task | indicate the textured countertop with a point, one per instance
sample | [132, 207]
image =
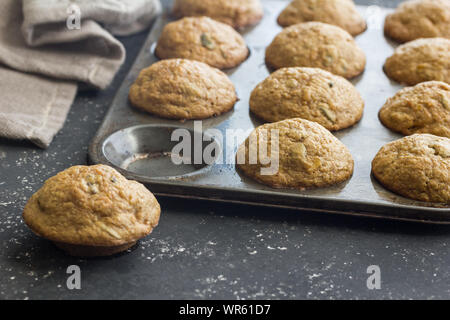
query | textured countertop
[210, 250]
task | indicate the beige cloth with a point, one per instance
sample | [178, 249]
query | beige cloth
[49, 59]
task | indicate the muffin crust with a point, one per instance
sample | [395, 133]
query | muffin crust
[419, 61]
[341, 13]
[424, 108]
[204, 40]
[183, 89]
[93, 207]
[416, 19]
[236, 13]
[308, 93]
[416, 167]
[309, 156]
[316, 45]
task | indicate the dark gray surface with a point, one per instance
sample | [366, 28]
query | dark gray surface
[209, 250]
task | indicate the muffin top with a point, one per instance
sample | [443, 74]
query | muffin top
[424, 108]
[309, 156]
[308, 93]
[92, 206]
[419, 61]
[183, 89]
[341, 13]
[316, 45]
[202, 39]
[419, 19]
[236, 13]
[417, 167]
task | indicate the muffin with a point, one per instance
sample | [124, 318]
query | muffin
[419, 61]
[92, 211]
[308, 93]
[204, 40]
[236, 13]
[416, 167]
[341, 13]
[303, 155]
[424, 108]
[316, 45]
[419, 19]
[183, 89]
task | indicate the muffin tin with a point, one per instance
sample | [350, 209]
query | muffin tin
[140, 147]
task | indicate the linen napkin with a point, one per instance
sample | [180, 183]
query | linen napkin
[42, 60]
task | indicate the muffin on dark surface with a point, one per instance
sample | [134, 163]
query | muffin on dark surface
[92, 211]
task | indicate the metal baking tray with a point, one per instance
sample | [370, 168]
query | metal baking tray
[139, 145]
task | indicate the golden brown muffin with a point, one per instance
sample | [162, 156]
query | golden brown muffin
[202, 39]
[419, 61]
[308, 155]
[92, 211]
[419, 19]
[341, 13]
[183, 89]
[308, 93]
[316, 45]
[417, 167]
[424, 108]
[236, 13]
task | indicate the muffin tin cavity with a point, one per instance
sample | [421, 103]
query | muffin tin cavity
[161, 151]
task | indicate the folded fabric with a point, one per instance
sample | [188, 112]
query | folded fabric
[33, 107]
[45, 20]
[52, 58]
